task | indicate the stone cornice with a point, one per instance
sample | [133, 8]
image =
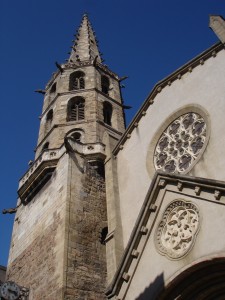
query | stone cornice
[177, 75]
[46, 155]
[35, 182]
[110, 128]
[106, 70]
[78, 65]
[131, 257]
[54, 76]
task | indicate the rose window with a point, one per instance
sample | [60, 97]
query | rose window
[180, 144]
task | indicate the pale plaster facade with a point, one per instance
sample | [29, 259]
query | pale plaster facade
[144, 271]
[201, 90]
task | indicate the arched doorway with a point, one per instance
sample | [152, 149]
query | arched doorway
[202, 281]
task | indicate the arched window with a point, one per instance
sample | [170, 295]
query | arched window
[49, 119]
[49, 116]
[77, 81]
[105, 84]
[107, 113]
[53, 89]
[75, 109]
[46, 146]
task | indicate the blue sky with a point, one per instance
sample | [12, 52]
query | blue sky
[145, 39]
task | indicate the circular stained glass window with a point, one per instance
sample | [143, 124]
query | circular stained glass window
[180, 144]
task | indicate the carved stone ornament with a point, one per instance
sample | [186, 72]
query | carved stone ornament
[9, 290]
[180, 144]
[176, 233]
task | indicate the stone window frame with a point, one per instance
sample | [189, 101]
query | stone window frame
[53, 89]
[45, 146]
[195, 108]
[105, 84]
[76, 109]
[107, 109]
[77, 81]
[49, 119]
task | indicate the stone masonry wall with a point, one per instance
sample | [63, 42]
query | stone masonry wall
[37, 252]
[36, 267]
[86, 269]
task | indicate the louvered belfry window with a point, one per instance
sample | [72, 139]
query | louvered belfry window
[77, 81]
[105, 84]
[76, 109]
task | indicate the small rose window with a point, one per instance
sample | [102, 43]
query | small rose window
[180, 144]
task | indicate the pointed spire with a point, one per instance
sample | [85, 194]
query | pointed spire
[85, 46]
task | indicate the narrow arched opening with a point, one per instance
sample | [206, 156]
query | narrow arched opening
[49, 118]
[77, 81]
[75, 109]
[53, 89]
[46, 146]
[107, 113]
[105, 84]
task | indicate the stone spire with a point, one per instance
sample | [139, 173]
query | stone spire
[85, 46]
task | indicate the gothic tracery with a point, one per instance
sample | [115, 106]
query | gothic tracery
[176, 232]
[180, 143]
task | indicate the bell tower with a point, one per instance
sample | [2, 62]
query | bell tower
[82, 97]
[58, 241]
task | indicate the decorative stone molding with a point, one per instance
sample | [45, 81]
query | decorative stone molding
[180, 186]
[147, 218]
[197, 190]
[135, 253]
[181, 143]
[176, 233]
[152, 207]
[126, 276]
[144, 230]
[46, 155]
[187, 68]
[162, 183]
[217, 195]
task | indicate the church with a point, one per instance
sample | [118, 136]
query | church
[136, 213]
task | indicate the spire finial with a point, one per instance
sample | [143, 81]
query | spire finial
[85, 45]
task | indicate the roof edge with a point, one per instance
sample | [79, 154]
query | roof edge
[176, 75]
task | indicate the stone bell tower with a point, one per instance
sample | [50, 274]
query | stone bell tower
[58, 241]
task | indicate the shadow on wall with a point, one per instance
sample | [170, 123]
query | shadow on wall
[202, 280]
[153, 289]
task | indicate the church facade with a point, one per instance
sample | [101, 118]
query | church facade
[106, 212]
